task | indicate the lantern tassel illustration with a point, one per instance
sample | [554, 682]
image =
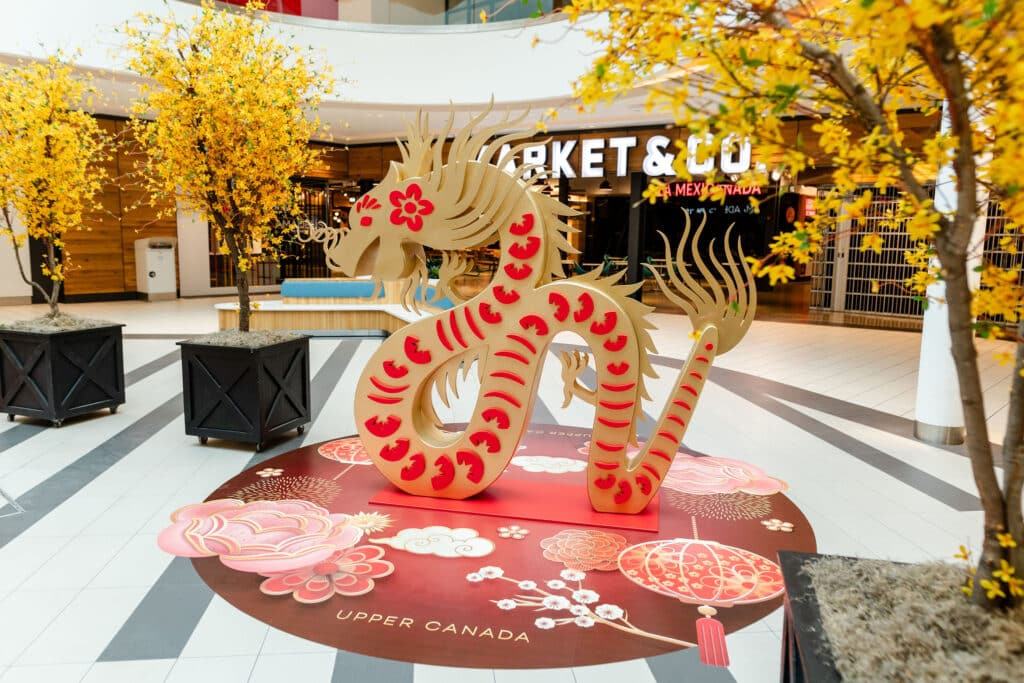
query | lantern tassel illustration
[711, 638]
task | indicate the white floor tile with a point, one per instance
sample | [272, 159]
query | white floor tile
[278, 642]
[26, 614]
[139, 563]
[534, 676]
[425, 673]
[144, 671]
[225, 631]
[308, 667]
[84, 628]
[76, 564]
[754, 657]
[212, 670]
[46, 673]
[634, 671]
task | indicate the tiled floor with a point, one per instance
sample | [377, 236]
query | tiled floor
[85, 594]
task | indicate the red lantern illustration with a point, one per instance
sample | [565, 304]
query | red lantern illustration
[704, 573]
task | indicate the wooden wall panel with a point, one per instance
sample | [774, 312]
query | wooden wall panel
[365, 162]
[333, 163]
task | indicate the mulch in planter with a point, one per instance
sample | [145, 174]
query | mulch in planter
[62, 322]
[911, 622]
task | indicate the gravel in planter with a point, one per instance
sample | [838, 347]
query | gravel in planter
[62, 322]
[911, 622]
[252, 340]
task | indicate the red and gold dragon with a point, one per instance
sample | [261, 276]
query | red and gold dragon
[465, 199]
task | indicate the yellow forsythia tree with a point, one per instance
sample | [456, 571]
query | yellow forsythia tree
[226, 117]
[49, 149]
[730, 67]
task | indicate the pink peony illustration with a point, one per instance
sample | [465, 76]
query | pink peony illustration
[264, 537]
[710, 475]
[347, 572]
[349, 451]
[585, 549]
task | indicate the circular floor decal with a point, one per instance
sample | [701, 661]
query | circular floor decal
[506, 580]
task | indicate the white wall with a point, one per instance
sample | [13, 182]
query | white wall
[13, 289]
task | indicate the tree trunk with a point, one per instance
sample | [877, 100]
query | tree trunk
[1013, 457]
[958, 299]
[241, 280]
[51, 262]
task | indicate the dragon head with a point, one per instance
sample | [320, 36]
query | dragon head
[386, 227]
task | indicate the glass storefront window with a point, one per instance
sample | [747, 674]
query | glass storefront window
[468, 11]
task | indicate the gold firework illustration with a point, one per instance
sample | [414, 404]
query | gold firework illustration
[314, 489]
[727, 506]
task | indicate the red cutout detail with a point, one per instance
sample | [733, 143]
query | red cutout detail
[561, 305]
[617, 344]
[386, 400]
[703, 359]
[442, 336]
[366, 221]
[526, 251]
[605, 482]
[709, 347]
[476, 465]
[682, 404]
[536, 322]
[472, 324]
[602, 328]
[507, 374]
[396, 452]
[618, 387]
[618, 368]
[514, 356]
[678, 420]
[367, 203]
[660, 454]
[652, 470]
[413, 353]
[669, 435]
[696, 375]
[383, 429]
[604, 465]
[503, 396]
[486, 437]
[497, 416]
[395, 371]
[688, 388]
[489, 316]
[410, 208]
[387, 388]
[506, 296]
[616, 406]
[610, 448]
[625, 492]
[615, 424]
[445, 475]
[415, 469]
[643, 483]
[526, 226]
[524, 341]
[456, 332]
[586, 307]
[520, 272]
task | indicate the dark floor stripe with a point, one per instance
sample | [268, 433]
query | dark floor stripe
[761, 392]
[42, 499]
[159, 628]
[353, 668]
[685, 665]
[10, 438]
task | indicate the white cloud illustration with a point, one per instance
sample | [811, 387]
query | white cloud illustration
[549, 464]
[440, 541]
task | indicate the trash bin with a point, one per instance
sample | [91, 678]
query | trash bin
[154, 268]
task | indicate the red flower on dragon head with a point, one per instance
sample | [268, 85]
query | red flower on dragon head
[410, 207]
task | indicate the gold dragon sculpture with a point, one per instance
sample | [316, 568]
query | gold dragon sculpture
[466, 199]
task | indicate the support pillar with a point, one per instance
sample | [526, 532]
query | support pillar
[635, 234]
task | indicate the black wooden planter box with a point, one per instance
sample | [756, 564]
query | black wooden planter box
[56, 375]
[244, 394]
[806, 652]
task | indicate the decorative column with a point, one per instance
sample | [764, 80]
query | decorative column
[635, 234]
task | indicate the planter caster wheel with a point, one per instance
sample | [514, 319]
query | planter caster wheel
[57, 423]
[113, 409]
[203, 440]
[10, 417]
[299, 429]
[259, 447]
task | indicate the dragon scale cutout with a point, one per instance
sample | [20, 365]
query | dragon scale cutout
[465, 199]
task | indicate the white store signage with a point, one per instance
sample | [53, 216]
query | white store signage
[554, 158]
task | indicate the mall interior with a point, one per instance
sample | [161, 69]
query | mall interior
[820, 399]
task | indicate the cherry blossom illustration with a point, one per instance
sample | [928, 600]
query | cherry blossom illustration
[585, 549]
[513, 531]
[349, 451]
[568, 601]
[348, 572]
